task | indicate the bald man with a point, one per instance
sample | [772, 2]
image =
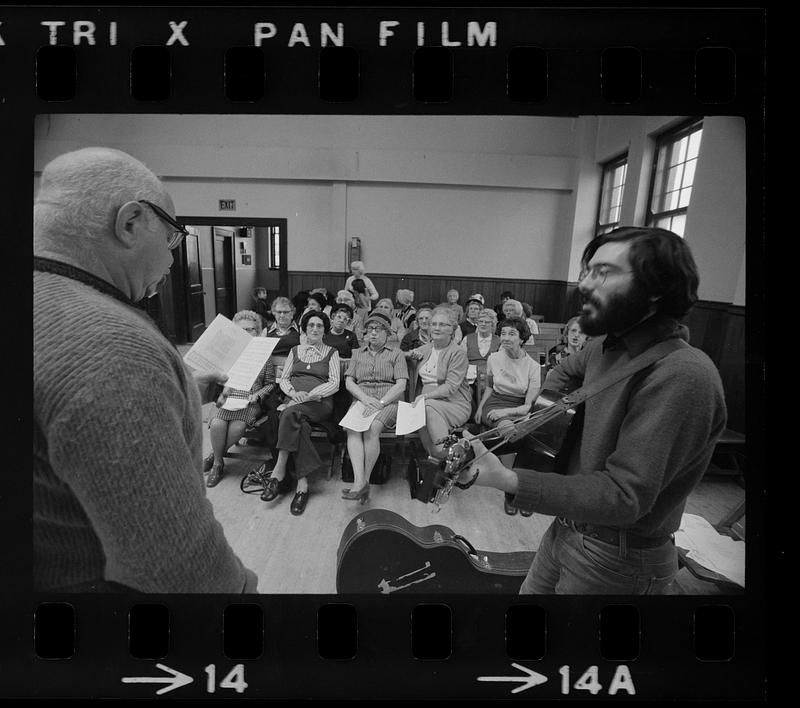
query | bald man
[119, 502]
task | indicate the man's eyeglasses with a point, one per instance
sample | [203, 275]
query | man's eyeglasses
[180, 230]
[375, 328]
[600, 272]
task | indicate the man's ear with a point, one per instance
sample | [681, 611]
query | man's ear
[129, 221]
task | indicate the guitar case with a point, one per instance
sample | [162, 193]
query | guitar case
[381, 552]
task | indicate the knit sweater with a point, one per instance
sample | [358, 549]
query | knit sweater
[646, 441]
[118, 491]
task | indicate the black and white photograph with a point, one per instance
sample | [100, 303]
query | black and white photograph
[504, 354]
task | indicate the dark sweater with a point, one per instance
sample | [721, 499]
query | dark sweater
[646, 441]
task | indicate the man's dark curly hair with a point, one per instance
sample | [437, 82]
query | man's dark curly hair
[662, 264]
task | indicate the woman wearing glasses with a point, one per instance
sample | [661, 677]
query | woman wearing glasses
[376, 376]
[440, 378]
[228, 421]
[309, 380]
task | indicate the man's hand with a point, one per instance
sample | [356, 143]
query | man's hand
[492, 472]
[208, 382]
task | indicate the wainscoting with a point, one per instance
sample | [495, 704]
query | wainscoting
[716, 328]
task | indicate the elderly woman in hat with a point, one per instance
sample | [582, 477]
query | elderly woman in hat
[440, 379]
[474, 308]
[376, 376]
[396, 329]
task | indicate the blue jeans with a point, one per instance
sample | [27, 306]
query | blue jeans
[570, 563]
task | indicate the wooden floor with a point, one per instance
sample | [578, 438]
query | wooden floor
[292, 554]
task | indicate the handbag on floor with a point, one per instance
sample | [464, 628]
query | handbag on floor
[380, 472]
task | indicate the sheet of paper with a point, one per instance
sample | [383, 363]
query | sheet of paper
[472, 373]
[218, 347]
[710, 548]
[355, 419]
[235, 404]
[242, 375]
[410, 417]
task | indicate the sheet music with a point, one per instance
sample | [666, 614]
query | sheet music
[218, 347]
[355, 419]
[410, 417]
[242, 375]
[472, 373]
[710, 548]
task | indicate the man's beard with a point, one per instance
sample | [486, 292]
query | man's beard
[620, 312]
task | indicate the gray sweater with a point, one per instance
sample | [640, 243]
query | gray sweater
[118, 491]
[646, 441]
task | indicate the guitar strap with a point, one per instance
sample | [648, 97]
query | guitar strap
[635, 365]
[645, 359]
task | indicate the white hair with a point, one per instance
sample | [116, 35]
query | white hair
[358, 265]
[517, 306]
[80, 192]
[447, 311]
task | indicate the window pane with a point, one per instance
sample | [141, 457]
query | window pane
[694, 144]
[686, 194]
[674, 177]
[670, 201]
[688, 173]
[678, 224]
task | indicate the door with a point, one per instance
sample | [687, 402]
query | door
[195, 311]
[224, 285]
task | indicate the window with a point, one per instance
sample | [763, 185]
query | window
[611, 189]
[673, 176]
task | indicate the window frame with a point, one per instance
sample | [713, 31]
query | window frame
[670, 137]
[607, 168]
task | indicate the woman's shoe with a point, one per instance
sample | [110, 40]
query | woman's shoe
[526, 512]
[508, 505]
[299, 503]
[272, 489]
[215, 475]
[361, 495]
[208, 462]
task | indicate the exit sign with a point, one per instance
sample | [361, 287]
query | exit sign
[227, 205]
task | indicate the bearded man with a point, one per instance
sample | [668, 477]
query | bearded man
[637, 448]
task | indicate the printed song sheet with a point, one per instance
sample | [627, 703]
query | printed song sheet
[242, 375]
[356, 420]
[410, 416]
[234, 403]
[226, 347]
[710, 548]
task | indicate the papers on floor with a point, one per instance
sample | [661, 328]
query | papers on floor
[235, 404]
[410, 416]
[356, 419]
[226, 347]
[705, 545]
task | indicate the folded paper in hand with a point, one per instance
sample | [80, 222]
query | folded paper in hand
[226, 347]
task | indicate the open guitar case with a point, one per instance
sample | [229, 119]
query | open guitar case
[381, 552]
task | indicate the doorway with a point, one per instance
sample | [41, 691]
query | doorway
[217, 267]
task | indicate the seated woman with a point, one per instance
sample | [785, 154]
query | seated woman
[470, 323]
[513, 308]
[419, 334]
[572, 341]
[377, 377]
[226, 426]
[513, 380]
[261, 306]
[343, 340]
[483, 341]
[406, 312]
[396, 329]
[452, 302]
[440, 378]
[533, 325]
[310, 379]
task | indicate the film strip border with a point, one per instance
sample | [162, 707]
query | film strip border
[519, 61]
[393, 60]
[470, 646]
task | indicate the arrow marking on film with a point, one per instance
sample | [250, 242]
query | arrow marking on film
[529, 681]
[177, 679]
